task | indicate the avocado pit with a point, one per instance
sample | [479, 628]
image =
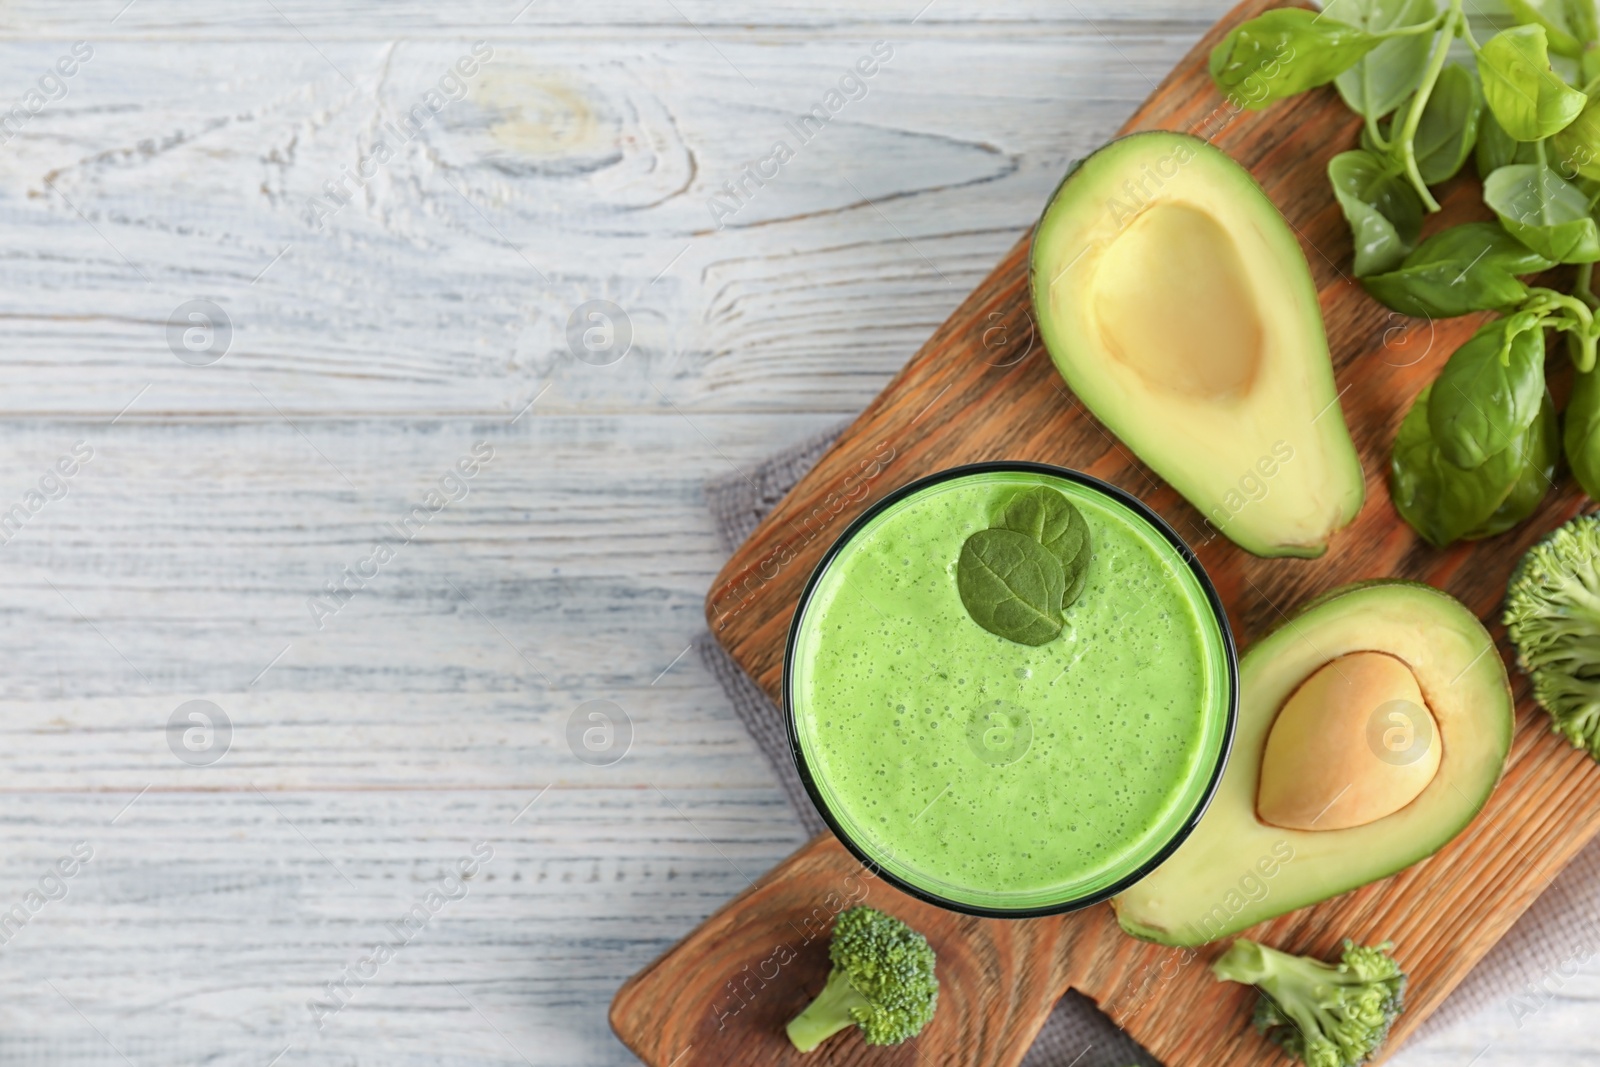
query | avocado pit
[1354, 743]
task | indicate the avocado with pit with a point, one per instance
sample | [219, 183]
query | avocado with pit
[1372, 727]
[1176, 303]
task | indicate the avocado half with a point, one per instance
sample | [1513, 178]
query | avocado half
[1234, 870]
[1177, 304]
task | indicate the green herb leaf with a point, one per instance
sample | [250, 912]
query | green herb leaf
[1577, 148]
[1527, 98]
[1439, 500]
[1581, 20]
[1384, 213]
[1075, 584]
[1541, 447]
[1449, 125]
[1284, 52]
[1496, 149]
[1480, 405]
[1011, 586]
[1385, 76]
[1554, 16]
[1544, 211]
[1050, 519]
[1471, 267]
[1581, 437]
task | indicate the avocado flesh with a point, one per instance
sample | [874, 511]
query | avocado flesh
[1176, 303]
[1234, 870]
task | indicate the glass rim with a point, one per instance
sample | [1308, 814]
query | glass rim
[1213, 603]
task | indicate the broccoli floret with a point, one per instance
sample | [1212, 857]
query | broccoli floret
[882, 981]
[1322, 1014]
[1553, 617]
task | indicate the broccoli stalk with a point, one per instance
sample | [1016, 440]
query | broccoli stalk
[1553, 618]
[882, 982]
[1322, 1014]
[832, 1011]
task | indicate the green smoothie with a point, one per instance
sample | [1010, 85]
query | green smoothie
[994, 775]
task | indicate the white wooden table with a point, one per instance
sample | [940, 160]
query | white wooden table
[373, 344]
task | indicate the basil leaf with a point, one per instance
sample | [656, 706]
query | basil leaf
[1384, 213]
[1284, 52]
[1540, 448]
[1011, 586]
[1439, 500]
[1477, 245]
[1387, 74]
[1496, 149]
[1581, 437]
[1553, 16]
[1527, 98]
[1581, 20]
[1471, 267]
[1480, 405]
[1049, 518]
[1577, 148]
[1545, 212]
[1449, 125]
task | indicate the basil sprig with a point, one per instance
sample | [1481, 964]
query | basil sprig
[1284, 52]
[1448, 129]
[1544, 211]
[1496, 148]
[1477, 451]
[1444, 502]
[1017, 577]
[1384, 213]
[1385, 76]
[1581, 434]
[1529, 100]
[1541, 447]
[1471, 267]
[1481, 404]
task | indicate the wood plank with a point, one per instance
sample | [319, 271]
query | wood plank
[201, 928]
[389, 739]
[194, 169]
[1445, 913]
[344, 19]
[573, 569]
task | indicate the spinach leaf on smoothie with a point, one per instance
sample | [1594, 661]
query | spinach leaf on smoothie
[1011, 585]
[1050, 519]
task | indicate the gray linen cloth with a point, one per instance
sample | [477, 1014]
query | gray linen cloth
[1525, 970]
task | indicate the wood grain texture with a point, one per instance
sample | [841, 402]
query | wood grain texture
[404, 330]
[724, 994]
[982, 388]
[574, 169]
[389, 341]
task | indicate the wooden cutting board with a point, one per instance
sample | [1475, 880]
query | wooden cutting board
[983, 388]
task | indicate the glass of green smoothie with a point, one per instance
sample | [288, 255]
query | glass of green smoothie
[995, 777]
